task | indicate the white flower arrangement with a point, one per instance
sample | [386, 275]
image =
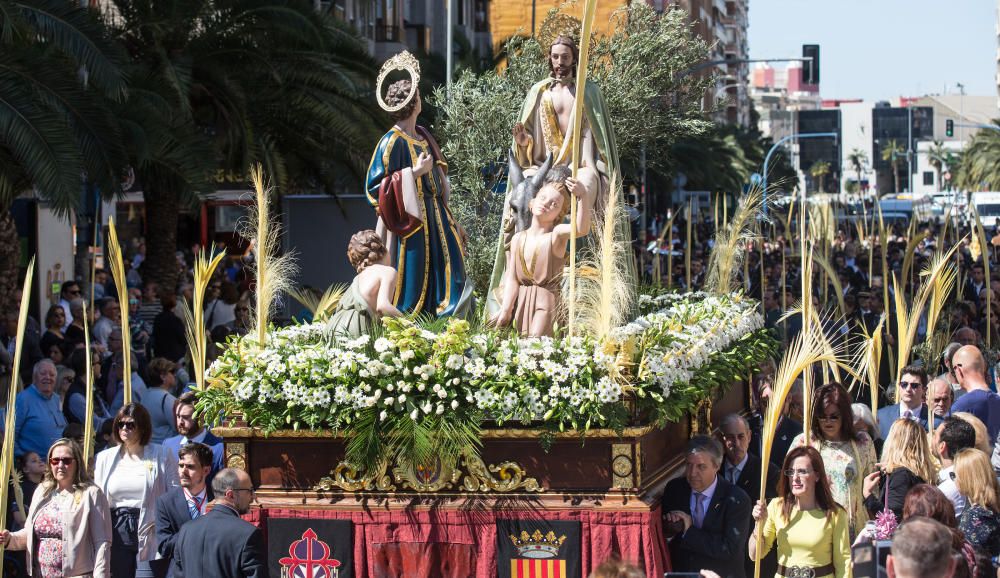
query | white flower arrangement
[304, 378]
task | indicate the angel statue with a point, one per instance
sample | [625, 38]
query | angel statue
[407, 184]
[544, 130]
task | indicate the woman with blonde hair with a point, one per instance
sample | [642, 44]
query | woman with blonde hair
[982, 434]
[906, 462]
[68, 529]
[980, 520]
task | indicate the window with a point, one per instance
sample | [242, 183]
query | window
[928, 178]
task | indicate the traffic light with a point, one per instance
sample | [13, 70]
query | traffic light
[810, 64]
[949, 128]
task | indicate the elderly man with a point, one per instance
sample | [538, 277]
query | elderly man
[921, 548]
[111, 317]
[940, 396]
[742, 469]
[39, 419]
[912, 389]
[707, 518]
[970, 370]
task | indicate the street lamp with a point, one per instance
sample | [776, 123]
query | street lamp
[767, 159]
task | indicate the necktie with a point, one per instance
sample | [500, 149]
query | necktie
[734, 474]
[194, 507]
[699, 509]
[908, 414]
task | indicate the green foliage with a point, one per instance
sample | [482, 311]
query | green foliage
[638, 69]
[55, 123]
[979, 168]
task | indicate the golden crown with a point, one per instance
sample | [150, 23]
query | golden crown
[406, 62]
[537, 545]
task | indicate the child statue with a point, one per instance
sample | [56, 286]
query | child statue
[370, 296]
[532, 284]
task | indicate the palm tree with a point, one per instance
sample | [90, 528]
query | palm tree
[938, 157]
[891, 153]
[979, 168]
[226, 83]
[59, 69]
[818, 171]
[858, 158]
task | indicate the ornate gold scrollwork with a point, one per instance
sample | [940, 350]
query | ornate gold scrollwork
[436, 477]
[511, 476]
[345, 477]
[236, 456]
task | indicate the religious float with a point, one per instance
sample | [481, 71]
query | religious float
[412, 432]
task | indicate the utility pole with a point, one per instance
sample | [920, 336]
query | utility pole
[909, 146]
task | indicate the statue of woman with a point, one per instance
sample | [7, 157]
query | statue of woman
[370, 296]
[408, 185]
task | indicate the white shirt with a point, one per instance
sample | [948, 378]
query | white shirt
[950, 489]
[737, 469]
[128, 484]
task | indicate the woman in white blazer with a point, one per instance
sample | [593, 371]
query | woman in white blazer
[68, 529]
[142, 473]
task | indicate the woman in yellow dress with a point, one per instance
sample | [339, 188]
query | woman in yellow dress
[807, 525]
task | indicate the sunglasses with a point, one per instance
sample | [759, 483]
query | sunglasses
[64, 461]
[129, 425]
[910, 384]
[832, 417]
[74, 292]
[800, 473]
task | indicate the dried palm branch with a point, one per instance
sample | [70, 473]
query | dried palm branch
[980, 236]
[606, 300]
[88, 420]
[803, 352]
[907, 319]
[911, 250]
[16, 478]
[121, 285]
[197, 336]
[834, 279]
[7, 457]
[320, 306]
[731, 241]
[273, 271]
[688, 248]
[868, 360]
[667, 231]
[883, 240]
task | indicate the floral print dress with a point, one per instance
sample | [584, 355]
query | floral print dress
[847, 463]
[48, 527]
[981, 527]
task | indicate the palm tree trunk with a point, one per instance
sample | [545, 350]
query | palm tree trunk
[940, 183]
[10, 250]
[162, 207]
[895, 177]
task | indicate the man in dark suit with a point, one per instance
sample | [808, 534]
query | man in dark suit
[912, 392]
[789, 426]
[188, 502]
[190, 429]
[707, 518]
[742, 469]
[220, 544]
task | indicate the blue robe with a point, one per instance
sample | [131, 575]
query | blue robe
[429, 262]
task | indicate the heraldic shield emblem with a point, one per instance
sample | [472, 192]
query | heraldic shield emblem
[311, 548]
[538, 549]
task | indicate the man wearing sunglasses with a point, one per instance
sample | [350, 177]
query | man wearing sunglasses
[69, 291]
[912, 389]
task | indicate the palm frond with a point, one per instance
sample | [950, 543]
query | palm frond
[273, 271]
[121, 284]
[728, 251]
[194, 318]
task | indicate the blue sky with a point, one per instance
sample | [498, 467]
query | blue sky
[865, 43]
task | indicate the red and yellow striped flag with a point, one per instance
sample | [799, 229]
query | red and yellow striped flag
[536, 568]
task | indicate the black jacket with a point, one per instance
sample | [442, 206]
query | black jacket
[720, 544]
[896, 484]
[172, 513]
[219, 545]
